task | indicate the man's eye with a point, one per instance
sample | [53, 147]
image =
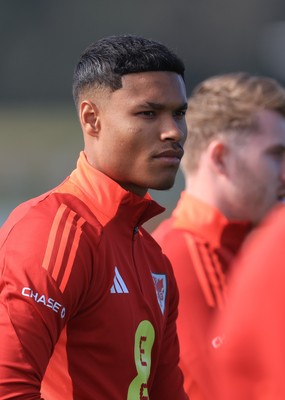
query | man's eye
[180, 113]
[147, 113]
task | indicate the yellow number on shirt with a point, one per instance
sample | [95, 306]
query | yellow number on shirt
[144, 339]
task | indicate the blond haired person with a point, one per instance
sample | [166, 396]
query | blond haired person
[234, 173]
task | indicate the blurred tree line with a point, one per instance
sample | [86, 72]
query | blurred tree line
[41, 41]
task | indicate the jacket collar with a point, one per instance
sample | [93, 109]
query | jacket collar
[107, 199]
[208, 222]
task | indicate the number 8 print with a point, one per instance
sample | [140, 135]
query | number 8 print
[144, 339]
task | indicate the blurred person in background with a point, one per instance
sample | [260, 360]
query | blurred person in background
[234, 173]
[250, 362]
[88, 302]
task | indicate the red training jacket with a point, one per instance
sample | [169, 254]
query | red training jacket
[88, 303]
[200, 243]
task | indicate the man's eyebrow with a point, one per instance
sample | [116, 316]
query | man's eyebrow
[160, 106]
[183, 106]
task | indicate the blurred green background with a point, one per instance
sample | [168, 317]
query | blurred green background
[42, 40]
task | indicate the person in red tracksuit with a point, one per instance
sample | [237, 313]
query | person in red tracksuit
[250, 362]
[88, 302]
[234, 173]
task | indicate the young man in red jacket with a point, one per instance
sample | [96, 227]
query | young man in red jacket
[88, 303]
[234, 173]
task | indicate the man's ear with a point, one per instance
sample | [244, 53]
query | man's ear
[218, 152]
[89, 118]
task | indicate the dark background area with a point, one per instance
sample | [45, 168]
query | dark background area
[41, 41]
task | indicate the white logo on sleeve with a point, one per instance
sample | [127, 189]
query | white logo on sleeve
[44, 300]
[119, 285]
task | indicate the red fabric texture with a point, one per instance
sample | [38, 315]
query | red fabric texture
[200, 243]
[88, 303]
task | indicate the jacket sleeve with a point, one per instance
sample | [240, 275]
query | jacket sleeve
[32, 313]
[33, 309]
[168, 383]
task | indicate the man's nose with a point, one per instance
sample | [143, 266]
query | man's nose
[173, 130]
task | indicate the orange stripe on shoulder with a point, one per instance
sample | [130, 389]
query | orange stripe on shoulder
[213, 269]
[72, 254]
[62, 245]
[200, 270]
[52, 235]
[221, 276]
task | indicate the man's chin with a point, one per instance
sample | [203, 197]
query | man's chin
[163, 185]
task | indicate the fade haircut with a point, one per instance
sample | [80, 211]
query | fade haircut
[104, 62]
[226, 105]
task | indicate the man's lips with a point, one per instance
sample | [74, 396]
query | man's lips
[170, 154]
